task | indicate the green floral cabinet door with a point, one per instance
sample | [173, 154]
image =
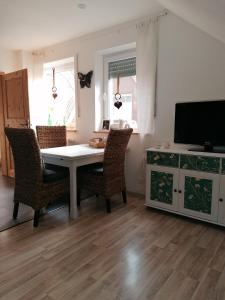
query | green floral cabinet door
[163, 182]
[198, 193]
[221, 207]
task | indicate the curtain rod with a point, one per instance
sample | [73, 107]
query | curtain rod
[163, 13]
[156, 17]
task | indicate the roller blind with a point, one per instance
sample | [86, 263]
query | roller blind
[123, 68]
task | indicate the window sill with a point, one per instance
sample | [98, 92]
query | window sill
[107, 131]
[71, 130]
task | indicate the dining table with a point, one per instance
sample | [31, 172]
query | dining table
[72, 157]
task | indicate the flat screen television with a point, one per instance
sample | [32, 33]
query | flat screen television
[201, 123]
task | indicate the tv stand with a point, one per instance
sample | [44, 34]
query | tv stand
[187, 183]
[208, 149]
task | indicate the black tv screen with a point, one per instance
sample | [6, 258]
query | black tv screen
[199, 123]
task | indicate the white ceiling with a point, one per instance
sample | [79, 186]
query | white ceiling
[32, 24]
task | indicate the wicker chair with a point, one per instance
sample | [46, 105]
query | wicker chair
[51, 136]
[108, 178]
[34, 185]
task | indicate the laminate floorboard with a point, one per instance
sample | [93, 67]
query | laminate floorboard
[132, 253]
[6, 205]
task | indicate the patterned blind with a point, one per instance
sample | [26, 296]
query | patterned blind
[123, 68]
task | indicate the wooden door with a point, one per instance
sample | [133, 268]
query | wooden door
[15, 112]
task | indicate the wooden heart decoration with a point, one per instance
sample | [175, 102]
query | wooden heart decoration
[118, 104]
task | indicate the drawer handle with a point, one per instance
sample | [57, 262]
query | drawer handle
[221, 200]
[175, 190]
[179, 191]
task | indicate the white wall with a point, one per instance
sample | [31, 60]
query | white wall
[8, 60]
[191, 67]
[87, 48]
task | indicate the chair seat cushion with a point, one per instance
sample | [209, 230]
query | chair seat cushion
[56, 168]
[98, 171]
[54, 175]
[96, 168]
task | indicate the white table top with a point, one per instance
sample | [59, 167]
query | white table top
[72, 152]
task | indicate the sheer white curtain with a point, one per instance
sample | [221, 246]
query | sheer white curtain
[146, 68]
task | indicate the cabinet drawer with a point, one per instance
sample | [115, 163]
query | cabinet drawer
[200, 163]
[163, 159]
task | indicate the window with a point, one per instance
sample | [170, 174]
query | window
[120, 76]
[61, 110]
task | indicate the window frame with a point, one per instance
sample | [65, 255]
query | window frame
[62, 65]
[129, 53]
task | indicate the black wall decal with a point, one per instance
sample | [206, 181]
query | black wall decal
[85, 79]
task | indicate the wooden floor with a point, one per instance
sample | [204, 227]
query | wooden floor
[133, 253]
[6, 205]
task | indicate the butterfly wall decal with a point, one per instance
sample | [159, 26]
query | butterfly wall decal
[85, 79]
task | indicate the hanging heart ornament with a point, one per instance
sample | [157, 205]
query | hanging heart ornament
[54, 94]
[118, 103]
[54, 89]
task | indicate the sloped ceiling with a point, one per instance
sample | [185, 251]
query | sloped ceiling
[208, 15]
